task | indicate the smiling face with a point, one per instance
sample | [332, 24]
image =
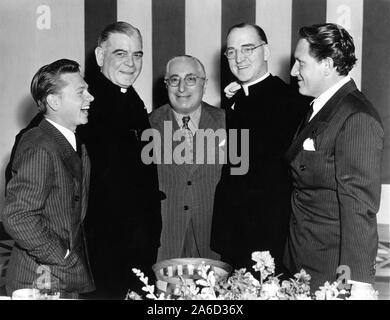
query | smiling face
[69, 107]
[120, 58]
[185, 99]
[253, 67]
[309, 71]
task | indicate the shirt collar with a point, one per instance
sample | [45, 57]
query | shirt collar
[68, 134]
[193, 124]
[324, 97]
[246, 85]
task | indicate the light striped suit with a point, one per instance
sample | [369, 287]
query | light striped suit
[189, 189]
[336, 190]
[45, 206]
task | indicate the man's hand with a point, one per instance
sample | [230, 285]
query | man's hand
[231, 89]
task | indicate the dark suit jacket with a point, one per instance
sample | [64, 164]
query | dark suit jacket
[123, 224]
[336, 190]
[251, 210]
[189, 188]
[44, 211]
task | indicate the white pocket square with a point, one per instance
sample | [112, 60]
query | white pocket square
[308, 145]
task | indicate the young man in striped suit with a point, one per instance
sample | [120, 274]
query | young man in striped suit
[335, 162]
[46, 197]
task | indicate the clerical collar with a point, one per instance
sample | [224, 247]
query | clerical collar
[246, 85]
[123, 90]
[68, 134]
[193, 124]
[324, 97]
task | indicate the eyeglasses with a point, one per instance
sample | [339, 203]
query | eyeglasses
[189, 80]
[247, 50]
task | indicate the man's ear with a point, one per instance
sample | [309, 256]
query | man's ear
[267, 52]
[99, 55]
[53, 102]
[328, 66]
[204, 86]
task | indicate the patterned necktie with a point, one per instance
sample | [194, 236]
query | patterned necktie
[189, 138]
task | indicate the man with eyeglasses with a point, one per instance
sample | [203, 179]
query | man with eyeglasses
[123, 224]
[252, 210]
[189, 184]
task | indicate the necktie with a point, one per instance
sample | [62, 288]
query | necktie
[189, 138]
[305, 121]
[78, 145]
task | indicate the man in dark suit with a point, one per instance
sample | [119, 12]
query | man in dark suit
[251, 210]
[46, 198]
[189, 183]
[124, 222]
[335, 162]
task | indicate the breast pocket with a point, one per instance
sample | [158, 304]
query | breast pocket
[317, 168]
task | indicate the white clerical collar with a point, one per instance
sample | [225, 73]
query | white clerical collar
[68, 134]
[193, 124]
[246, 85]
[123, 90]
[324, 97]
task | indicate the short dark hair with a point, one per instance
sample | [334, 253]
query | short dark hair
[329, 40]
[118, 27]
[260, 31]
[47, 80]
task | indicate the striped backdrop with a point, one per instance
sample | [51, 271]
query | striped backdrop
[35, 32]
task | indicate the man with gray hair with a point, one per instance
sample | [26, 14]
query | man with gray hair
[124, 220]
[189, 183]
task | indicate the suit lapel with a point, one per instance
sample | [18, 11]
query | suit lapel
[167, 115]
[86, 169]
[206, 121]
[320, 121]
[71, 160]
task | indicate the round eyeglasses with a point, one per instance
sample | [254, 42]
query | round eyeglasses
[246, 50]
[189, 80]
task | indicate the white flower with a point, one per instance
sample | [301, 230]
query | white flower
[270, 289]
[264, 263]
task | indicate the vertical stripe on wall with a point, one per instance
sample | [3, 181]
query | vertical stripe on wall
[203, 40]
[275, 19]
[233, 12]
[97, 15]
[376, 67]
[168, 32]
[349, 14]
[304, 13]
[139, 14]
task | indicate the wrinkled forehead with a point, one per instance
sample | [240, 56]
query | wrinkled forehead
[183, 66]
[123, 40]
[240, 36]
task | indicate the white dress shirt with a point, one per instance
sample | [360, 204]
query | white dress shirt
[324, 97]
[68, 134]
[193, 124]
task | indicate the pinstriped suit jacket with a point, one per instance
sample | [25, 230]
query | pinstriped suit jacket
[190, 186]
[336, 190]
[45, 206]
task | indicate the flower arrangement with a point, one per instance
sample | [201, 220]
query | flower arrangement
[242, 285]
